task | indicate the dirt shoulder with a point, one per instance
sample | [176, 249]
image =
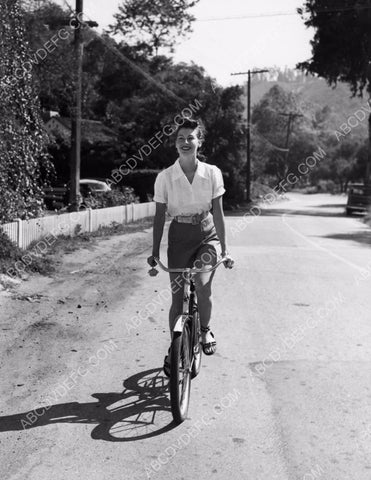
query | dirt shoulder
[52, 324]
[44, 317]
[86, 274]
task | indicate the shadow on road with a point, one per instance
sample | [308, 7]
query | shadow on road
[334, 205]
[361, 237]
[141, 411]
[277, 212]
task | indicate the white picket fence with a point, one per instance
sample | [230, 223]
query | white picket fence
[24, 232]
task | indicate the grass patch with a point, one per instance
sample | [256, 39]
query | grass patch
[15, 261]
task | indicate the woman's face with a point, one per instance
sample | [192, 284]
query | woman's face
[187, 142]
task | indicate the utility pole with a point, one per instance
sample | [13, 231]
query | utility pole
[76, 114]
[368, 74]
[291, 117]
[248, 130]
[75, 162]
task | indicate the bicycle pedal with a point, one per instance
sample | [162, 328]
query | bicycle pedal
[153, 272]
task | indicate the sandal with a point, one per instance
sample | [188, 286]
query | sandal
[210, 347]
[166, 367]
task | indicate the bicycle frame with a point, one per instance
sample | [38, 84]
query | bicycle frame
[189, 300]
[189, 292]
[186, 349]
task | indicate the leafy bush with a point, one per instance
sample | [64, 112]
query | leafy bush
[24, 162]
[327, 186]
[367, 218]
[322, 186]
[8, 250]
[14, 261]
[311, 190]
[142, 181]
[113, 198]
[259, 190]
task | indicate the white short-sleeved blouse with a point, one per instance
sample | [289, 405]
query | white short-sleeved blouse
[182, 198]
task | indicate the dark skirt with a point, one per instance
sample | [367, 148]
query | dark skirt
[187, 242]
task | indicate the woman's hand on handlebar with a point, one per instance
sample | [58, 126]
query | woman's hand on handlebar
[151, 260]
[229, 260]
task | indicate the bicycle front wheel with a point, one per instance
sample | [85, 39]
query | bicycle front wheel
[197, 349]
[180, 375]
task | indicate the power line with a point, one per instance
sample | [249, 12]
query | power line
[130, 63]
[243, 17]
[280, 14]
[265, 139]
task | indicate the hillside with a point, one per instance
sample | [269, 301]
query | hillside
[316, 94]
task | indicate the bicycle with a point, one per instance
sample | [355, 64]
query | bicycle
[185, 350]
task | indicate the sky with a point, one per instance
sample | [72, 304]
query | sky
[259, 35]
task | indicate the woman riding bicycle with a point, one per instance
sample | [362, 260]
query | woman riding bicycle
[188, 190]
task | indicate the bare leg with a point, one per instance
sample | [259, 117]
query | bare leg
[177, 287]
[206, 258]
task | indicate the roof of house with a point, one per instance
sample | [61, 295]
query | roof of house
[92, 131]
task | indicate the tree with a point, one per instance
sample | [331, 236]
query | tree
[53, 70]
[24, 163]
[136, 110]
[224, 145]
[343, 162]
[136, 95]
[152, 24]
[341, 48]
[271, 128]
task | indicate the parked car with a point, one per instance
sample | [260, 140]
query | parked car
[58, 196]
[359, 198]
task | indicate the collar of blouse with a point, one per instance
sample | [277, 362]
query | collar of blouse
[178, 172]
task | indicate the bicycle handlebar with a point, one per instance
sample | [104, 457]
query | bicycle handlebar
[192, 270]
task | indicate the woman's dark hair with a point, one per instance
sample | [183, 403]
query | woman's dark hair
[193, 124]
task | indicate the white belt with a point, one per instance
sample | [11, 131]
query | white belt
[193, 219]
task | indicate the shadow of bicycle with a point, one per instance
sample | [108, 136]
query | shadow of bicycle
[142, 410]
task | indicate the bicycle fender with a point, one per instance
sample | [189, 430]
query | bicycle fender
[179, 323]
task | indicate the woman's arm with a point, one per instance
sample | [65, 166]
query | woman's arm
[158, 228]
[220, 229]
[219, 222]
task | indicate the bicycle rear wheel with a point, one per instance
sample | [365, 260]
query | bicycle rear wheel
[180, 375]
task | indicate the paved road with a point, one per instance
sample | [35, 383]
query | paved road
[287, 396]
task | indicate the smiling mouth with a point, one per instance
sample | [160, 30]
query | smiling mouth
[186, 148]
